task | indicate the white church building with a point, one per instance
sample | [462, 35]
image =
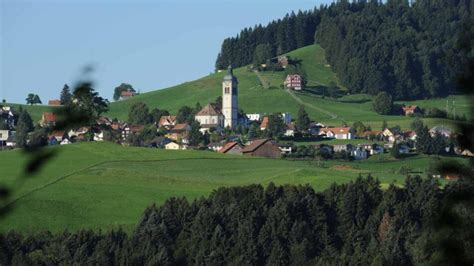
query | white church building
[211, 117]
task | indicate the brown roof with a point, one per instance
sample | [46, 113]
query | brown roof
[55, 102]
[167, 119]
[210, 109]
[228, 146]
[254, 145]
[264, 123]
[180, 127]
[373, 132]
[57, 133]
[49, 117]
[136, 128]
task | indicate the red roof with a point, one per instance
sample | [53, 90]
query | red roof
[167, 119]
[180, 127]
[49, 117]
[54, 102]
[227, 147]
[410, 108]
[337, 130]
[127, 94]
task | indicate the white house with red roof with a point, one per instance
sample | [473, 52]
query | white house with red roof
[210, 117]
[337, 132]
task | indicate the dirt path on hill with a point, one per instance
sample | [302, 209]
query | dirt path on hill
[319, 109]
[262, 80]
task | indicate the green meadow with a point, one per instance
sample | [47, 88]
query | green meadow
[254, 98]
[101, 185]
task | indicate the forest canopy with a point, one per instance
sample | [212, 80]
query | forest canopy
[407, 50]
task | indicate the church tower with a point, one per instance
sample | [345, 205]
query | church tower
[229, 99]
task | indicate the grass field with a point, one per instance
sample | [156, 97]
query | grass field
[102, 185]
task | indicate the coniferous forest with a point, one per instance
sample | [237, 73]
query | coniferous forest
[351, 224]
[406, 49]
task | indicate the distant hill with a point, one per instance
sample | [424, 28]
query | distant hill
[253, 98]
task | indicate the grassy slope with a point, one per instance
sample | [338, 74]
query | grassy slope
[103, 185]
[253, 98]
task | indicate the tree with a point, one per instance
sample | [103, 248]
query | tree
[395, 152]
[38, 138]
[252, 134]
[87, 103]
[121, 88]
[156, 114]
[66, 96]
[195, 136]
[262, 53]
[23, 127]
[384, 124]
[303, 121]
[138, 114]
[416, 124]
[276, 127]
[333, 90]
[383, 103]
[423, 141]
[359, 128]
[184, 114]
[33, 99]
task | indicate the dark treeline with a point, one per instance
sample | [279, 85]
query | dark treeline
[407, 50]
[351, 224]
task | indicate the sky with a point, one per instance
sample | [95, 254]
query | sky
[149, 44]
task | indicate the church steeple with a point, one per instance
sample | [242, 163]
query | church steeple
[229, 98]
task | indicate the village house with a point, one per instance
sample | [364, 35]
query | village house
[391, 135]
[342, 147]
[167, 121]
[441, 130]
[411, 110]
[210, 117]
[6, 114]
[129, 129]
[411, 135]
[314, 128]
[294, 82]
[179, 133]
[54, 102]
[232, 147]
[403, 149]
[48, 119]
[124, 95]
[283, 61]
[11, 141]
[65, 141]
[337, 132]
[58, 135]
[290, 130]
[372, 134]
[264, 123]
[286, 117]
[285, 148]
[253, 117]
[176, 146]
[4, 134]
[215, 146]
[263, 148]
[359, 153]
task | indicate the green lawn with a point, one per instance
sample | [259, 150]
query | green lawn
[103, 185]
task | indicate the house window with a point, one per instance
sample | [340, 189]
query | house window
[227, 90]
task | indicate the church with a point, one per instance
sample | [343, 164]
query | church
[211, 117]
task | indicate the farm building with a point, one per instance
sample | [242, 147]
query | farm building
[232, 148]
[263, 148]
[294, 82]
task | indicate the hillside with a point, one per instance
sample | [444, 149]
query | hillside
[253, 98]
[102, 185]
